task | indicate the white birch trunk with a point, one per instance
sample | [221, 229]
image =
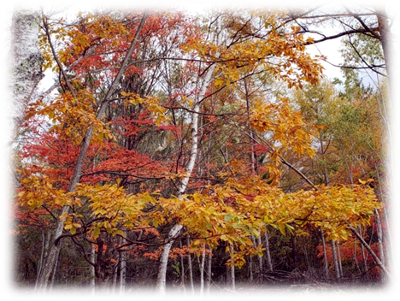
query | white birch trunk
[380, 236]
[26, 62]
[233, 278]
[173, 233]
[326, 266]
[203, 259]
[339, 260]
[260, 261]
[162, 272]
[43, 255]
[122, 270]
[391, 246]
[122, 276]
[335, 259]
[363, 254]
[208, 283]
[176, 229]
[267, 252]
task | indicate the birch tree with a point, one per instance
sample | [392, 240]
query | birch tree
[27, 62]
[175, 230]
[233, 56]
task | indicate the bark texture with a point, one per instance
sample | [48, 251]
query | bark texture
[389, 54]
[26, 62]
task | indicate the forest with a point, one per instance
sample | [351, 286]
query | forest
[189, 152]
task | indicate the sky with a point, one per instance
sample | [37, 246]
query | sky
[330, 48]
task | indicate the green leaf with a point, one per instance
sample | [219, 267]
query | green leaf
[228, 217]
[96, 232]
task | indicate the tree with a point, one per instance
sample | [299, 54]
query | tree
[54, 251]
[361, 26]
[351, 136]
[167, 127]
[27, 61]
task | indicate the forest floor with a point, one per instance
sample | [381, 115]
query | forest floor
[338, 295]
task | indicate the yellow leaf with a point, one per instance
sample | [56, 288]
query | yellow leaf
[96, 232]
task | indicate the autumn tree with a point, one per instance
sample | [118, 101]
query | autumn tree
[71, 92]
[168, 128]
[359, 26]
[349, 150]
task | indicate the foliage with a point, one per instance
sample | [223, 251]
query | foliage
[128, 193]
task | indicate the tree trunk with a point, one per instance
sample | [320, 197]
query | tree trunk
[233, 284]
[260, 261]
[122, 275]
[92, 268]
[173, 233]
[251, 269]
[380, 236]
[55, 248]
[26, 64]
[326, 266]
[391, 246]
[115, 279]
[306, 254]
[267, 251]
[53, 276]
[43, 255]
[182, 268]
[294, 251]
[365, 244]
[104, 268]
[335, 260]
[251, 258]
[190, 267]
[230, 272]
[384, 36]
[228, 276]
[364, 258]
[355, 257]
[202, 264]
[162, 272]
[391, 148]
[339, 260]
[209, 264]
[45, 276]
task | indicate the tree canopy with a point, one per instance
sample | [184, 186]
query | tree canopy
[168, 136]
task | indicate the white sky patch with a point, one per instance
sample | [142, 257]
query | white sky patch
[329, 48]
